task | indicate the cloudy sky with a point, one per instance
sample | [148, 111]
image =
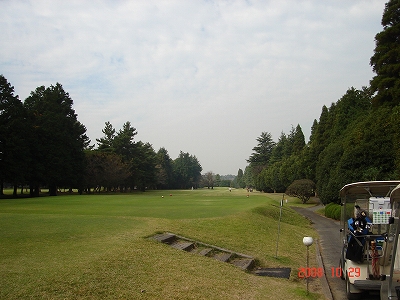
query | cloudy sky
[204, 77]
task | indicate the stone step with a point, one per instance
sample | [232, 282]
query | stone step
[222, 256]
[205, 251]
[243, 263]
[166, 238]
[185, 246]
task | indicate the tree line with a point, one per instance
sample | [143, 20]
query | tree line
[42, 144]
[355, 139]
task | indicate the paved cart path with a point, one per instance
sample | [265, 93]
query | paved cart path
[330, 247]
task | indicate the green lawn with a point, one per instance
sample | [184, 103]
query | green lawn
[95, 246]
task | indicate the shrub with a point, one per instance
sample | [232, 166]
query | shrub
[333, 211]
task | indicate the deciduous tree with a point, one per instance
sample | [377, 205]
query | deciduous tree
[302, 189]
[104, 169]
[208, 180]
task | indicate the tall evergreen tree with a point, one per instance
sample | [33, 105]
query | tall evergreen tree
[297, 140]
[248, 177]
[320, 135]
[123, 143]
[164, 169]
[239, 179]
[187, 171]
[260, 158]
[352, 105]
[385, 61]
[14, 155]
[106, 143]
[278, 150]
[262, 152]
[143, 166]
[57, 139]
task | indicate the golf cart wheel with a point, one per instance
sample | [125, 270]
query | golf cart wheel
[350, 295]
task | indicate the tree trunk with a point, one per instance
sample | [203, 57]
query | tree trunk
[15, 191]
[34, 190]
[53, 190]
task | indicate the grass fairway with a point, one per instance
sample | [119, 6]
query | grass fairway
[94, 246]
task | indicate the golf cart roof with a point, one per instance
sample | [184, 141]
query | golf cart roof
[395, 194]
[372, 188]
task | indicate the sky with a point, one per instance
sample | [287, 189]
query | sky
[202, 77]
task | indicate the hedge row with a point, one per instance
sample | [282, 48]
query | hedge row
[332, 210]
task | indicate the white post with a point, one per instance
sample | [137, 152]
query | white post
[307, 241]
[279, 226]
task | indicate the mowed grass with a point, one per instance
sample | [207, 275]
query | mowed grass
[95, 246]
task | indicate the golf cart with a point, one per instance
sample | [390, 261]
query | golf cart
[369, 234]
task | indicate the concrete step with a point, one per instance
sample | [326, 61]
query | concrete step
[243, 263]
[185, 246]
[166, 238]
[205, 251]
[222, 256]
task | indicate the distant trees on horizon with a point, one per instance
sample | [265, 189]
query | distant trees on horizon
[42, 144]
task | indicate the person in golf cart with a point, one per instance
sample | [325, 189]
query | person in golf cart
[358, 227]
